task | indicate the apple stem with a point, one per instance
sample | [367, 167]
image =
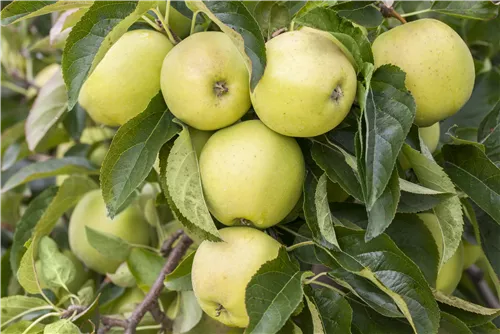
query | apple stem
[220, 88]
[219, 310]
[388, 11]
[337, 94]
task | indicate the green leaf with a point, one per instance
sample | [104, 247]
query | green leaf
[21, 10]
[189, 314]
[471, 170]
[477, 10]
[448, 211]
[489, 134]
[328, 20]
[48, 168]
[133, 152]
[488, 328]
[21, 326]
[57, 269]
[180, 278]
[50, 104]
[145, 266]
[15, 305]
[272, 294]
[333, 311]
[180, 175]
[389, 113]
[317, 211]
[234, 19]
[24, 228]
[450, 324]
[381, 214]
[89, 40]
[367, 321]
[469, 313]
[361, 12]
[63, 326]
[416, 198]
[273, 15]
[107, 244]
[338, 166]
[6, 273]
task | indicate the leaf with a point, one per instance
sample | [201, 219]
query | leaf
[469, 313]
[332, 309]
[89, 40]
[145, 266]
[360, 12]
[63, 326]
[48, 168]
[477, 10]
[448, 212]
[272, 294]
[75, 122]
[471, 170]
[107, 244]
[337, 165]
[181, 177]
[57, 269]
[14, 305]
[21, 326]
[450, 324]
[49, 106]
[180, 278]
[234, 19]
[189, 315]
[489, 134]
[488, 328]
[489, 237]
[273, 15]
[24, 228]
[384, 209]
[133, 152]
[390, 110]
[416, 198]
[367, 321]
[63, 25]
[328, 20]
[21, 10]
[316, 210]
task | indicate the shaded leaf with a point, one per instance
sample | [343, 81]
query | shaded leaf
[180, 278]
[107, 244]
[22, 10]
[478, 10]
[489, 134]
[450, 324]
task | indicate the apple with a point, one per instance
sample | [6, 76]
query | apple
[438, 64]
[129, 225]
[430, 136]
[308, 85]
[451, 271]
[251, 174]
[123, 83]
[205, 81]
[222, 270]
[472, 254]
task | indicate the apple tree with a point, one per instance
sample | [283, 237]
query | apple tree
[253, 167]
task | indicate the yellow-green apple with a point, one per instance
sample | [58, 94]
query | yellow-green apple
[123, 83]
[205, 81]
[222, 270]
[438, 64]
[251, 174]
[308, 85]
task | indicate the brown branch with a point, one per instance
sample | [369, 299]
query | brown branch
[160, 317]
[166, 248]
[388, 11]
[152, 297]
[477, 277]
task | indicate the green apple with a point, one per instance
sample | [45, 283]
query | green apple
[251, 174]
[451, 271]
[129, 225]
[472, 253]
[123, 83]
[308, 85]
[122, 276]
[438, 64]
[205, 81]
[222, 270]
[430, 136]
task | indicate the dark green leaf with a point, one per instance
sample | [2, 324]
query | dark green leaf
[476, 175]
[272, 294]
[490, 237]
[416, 198]
[488, 328]
[75, 121]
[48, 168]
[450, 324]
[133, 152]
[489, 134]
[234, 19]
[361, 12]
[478, 10]
[366, 321]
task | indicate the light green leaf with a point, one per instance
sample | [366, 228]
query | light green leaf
[21, 10]
[15, 305]
[145, 266]
[190, 313]
[21, 326]
[180, 278]
[63, 326]
[57, 269]
[107, 244]
[48, 168]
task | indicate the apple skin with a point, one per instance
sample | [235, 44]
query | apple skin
[222, 270]
[430, 136]
[205, 81]
[451, 271]
[438, 64]
[130, 225]
[251, 173]
[472, 254]
[298, 95]
[123, 83]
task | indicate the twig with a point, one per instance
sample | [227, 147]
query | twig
[152, 297]
[166, 248]
[109, 322]
[388, 11]
[477, 277]
[160, 317]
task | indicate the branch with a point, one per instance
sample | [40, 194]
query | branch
[388, 11]
[477, 277]
[151, 298]
[166, 248]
